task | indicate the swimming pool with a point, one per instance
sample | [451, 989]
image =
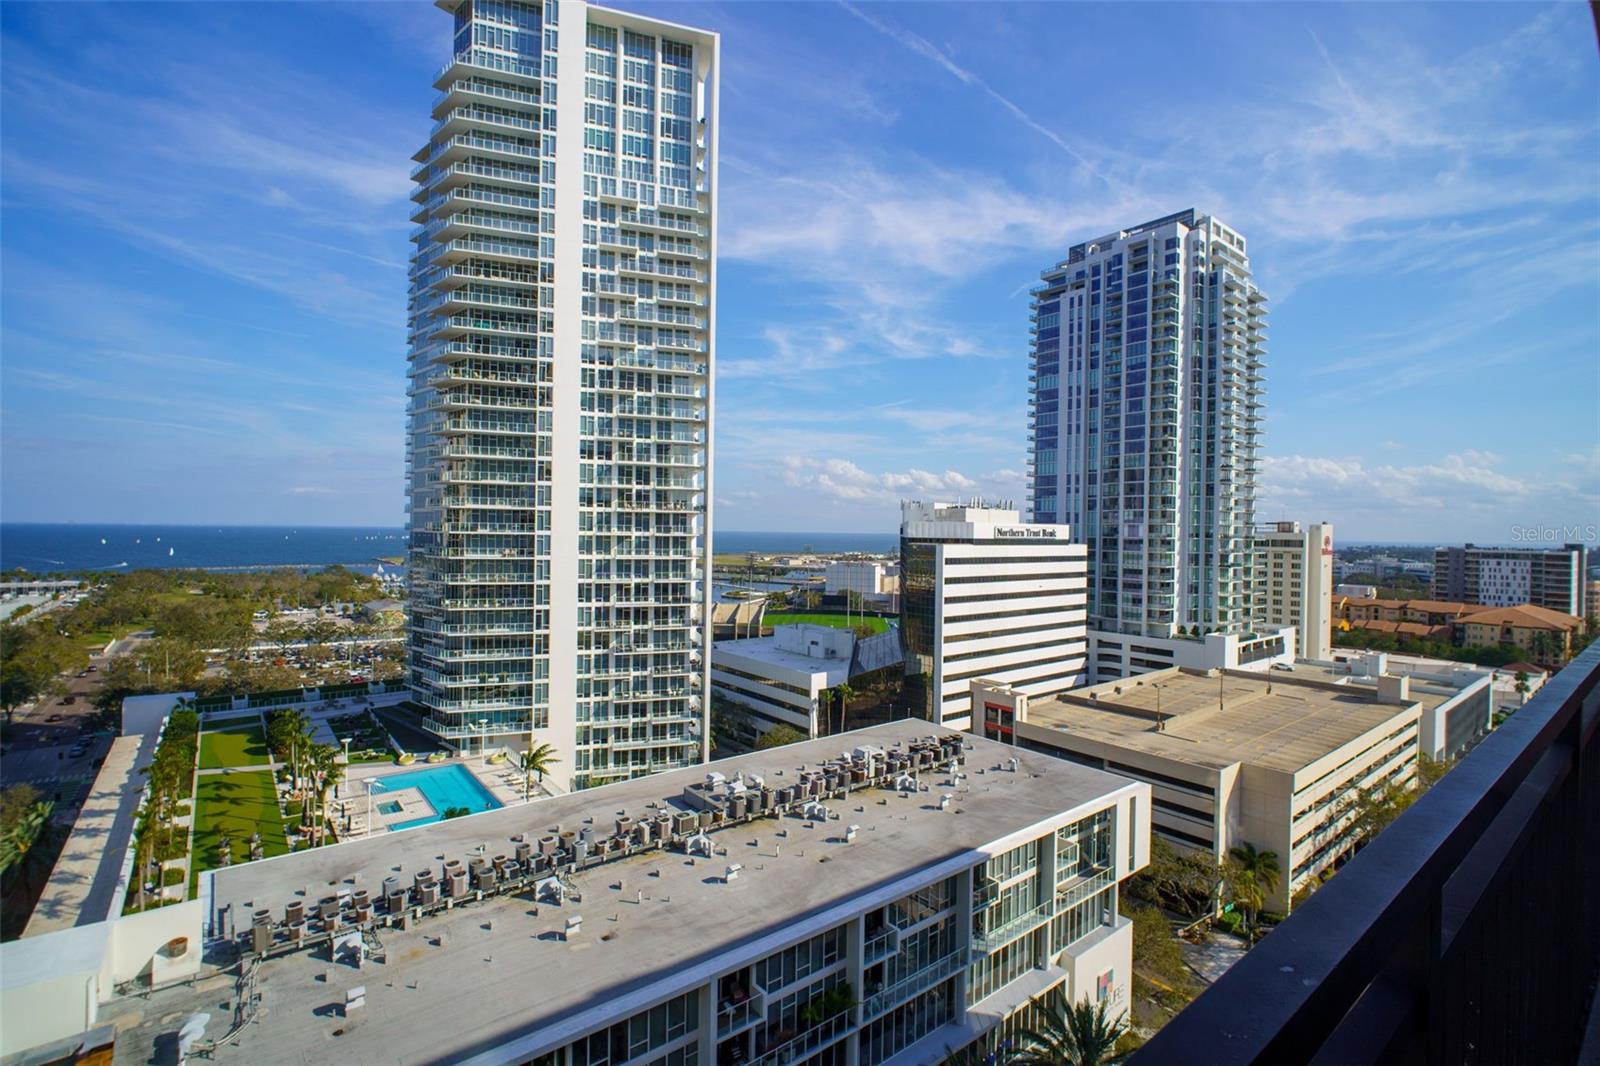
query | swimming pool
[443, 787]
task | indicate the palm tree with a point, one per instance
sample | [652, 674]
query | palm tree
[322, 773]
[329, 772]
[845, 694]
[1069, 1034]
[1259, 871]
[25, 848]
[825, 697]
[536, 760]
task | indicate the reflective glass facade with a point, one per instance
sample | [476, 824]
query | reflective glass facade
[1145, 410]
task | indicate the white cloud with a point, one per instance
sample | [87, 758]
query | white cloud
[1470, 493]
[843, 480]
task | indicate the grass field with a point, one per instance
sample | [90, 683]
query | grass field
[838, 621]
[236, 805]
[240, 745]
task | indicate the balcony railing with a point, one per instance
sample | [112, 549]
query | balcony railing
[1467, 931]
[822, 1033]
[913, 983]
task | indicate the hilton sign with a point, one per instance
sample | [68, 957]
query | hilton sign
[1025, 532]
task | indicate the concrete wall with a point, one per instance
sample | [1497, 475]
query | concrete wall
[1113, 655]
[1108, 949]
[138, 943]
[142, 715]
[50, 986]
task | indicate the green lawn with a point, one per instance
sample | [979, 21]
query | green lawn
[838, 621]
[236, 805]
[240, 745]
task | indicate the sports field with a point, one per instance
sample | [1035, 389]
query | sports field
[236, 805]
[238, 745]
[838, 621]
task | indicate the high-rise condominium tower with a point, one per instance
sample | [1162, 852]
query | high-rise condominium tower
[1144, 415]
[560, 420]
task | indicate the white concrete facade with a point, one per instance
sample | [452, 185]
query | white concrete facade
[780, 678]
[562, 345]
[1294, 579]
[983, 595]
[866, 578]
[1117, 655]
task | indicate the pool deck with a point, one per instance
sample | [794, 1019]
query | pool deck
[503, 782]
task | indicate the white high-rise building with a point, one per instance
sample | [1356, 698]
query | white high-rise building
[1294, 579]
[1144, 414]
[984, 596]
[561, 311]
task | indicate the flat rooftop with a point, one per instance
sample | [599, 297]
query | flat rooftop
[470, 979]
[83, 885]
[1286, 729]
[766, 650]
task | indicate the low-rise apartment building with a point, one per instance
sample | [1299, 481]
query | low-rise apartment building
[1547, 636]
[1274, 759]
[878, 906]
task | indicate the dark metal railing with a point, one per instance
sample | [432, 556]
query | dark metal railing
[1466, 932]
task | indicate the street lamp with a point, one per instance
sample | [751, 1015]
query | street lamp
[372, 783]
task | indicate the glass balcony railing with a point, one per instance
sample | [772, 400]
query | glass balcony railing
[911, 985]
[822, 1033]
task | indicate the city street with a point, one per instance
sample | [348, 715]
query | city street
[39, 751]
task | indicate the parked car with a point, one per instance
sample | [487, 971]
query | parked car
[53, 718]
[69, 701]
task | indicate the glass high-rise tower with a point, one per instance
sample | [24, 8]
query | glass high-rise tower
[1144, 422]
[561, 348]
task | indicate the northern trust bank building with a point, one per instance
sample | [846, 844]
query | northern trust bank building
[984, 595]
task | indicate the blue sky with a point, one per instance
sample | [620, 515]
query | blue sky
[204, 219]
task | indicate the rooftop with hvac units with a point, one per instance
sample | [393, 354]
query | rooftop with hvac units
[897, 890]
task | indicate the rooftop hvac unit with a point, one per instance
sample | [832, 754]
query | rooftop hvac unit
[1012, 764]
[699, 844]
[944, 801]
[732, 872]
[905, 783]
[850, 833]
[574, 926]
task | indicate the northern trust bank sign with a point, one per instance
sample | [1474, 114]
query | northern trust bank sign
[1025, 532]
